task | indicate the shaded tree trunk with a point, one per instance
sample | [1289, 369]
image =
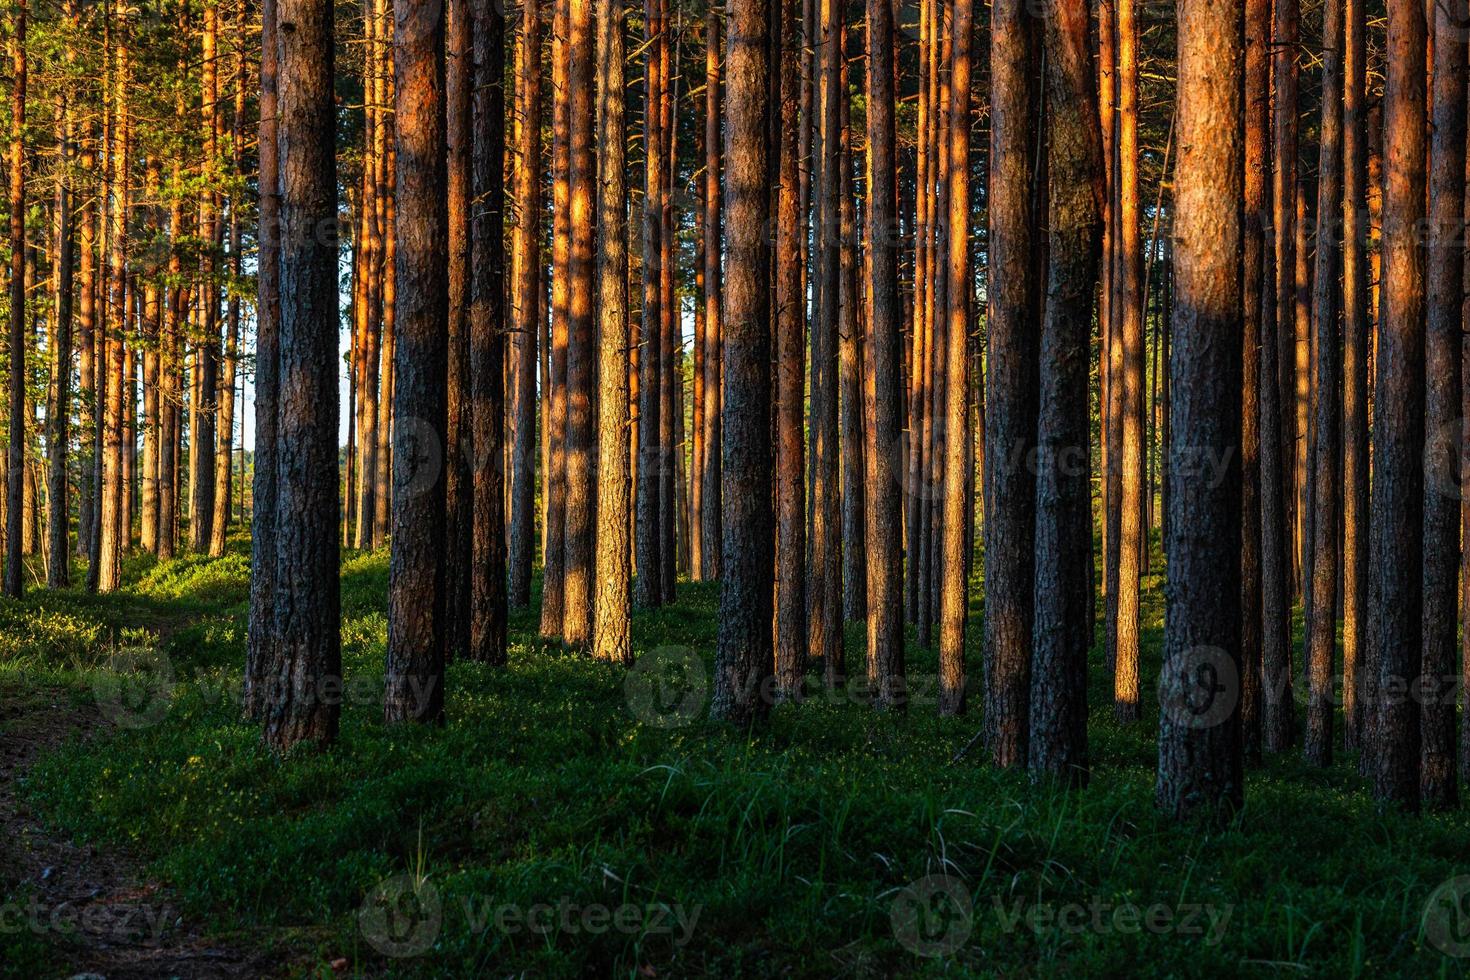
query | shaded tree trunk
[1062, 628]
[305, 644]
[1397, 542]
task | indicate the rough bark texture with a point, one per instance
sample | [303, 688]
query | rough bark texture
[1200, 770]
[554, 390]
[526, 277]
[14, 584]
[791, 635]
[305, 643]
[1254, 252]
[1442, 410]
[58, 400]
[610, 637]
[1327, 444]
[1063, 616]
[112, 533]
[1286, 15]
[850, 370]
[488, 599]
[884, 392]
[711, 507]
[824, 600]
[581, 350]
[1129, 317]
[954, 581]
[1355, 365]
[744, 655]
[1011, 381]
[416, 572]
[648, 588]
[458, 488]
[1397, 529]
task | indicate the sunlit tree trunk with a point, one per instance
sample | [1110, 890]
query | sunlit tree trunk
[526, 281]
[744, 652]
[1200, 769]
[416, 571]
[1011, 401]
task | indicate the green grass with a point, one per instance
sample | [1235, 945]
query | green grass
[788, 847]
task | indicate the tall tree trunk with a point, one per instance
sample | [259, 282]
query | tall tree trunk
[581, 500]
[58, 402]
[526, 279]
[1255, 255]
[825, 571]
[458, 489]
[305, 645]
[554, 395]
[1284, 71]
[416, 571]
[1128, 311]
[1397, 542]
[954, 599]
[648, 540]
[744, 652]
[1062, 628]
[1442, 416]
[489, 613]
[610, 638]
[224, 460]
[262, 653]
[112, 535]
[850, 371]
[1200, 770]
[1011, 402]
[1355, 366]
[202, 438]
[1327, 447]
[86, 303]
[711, 507]
[790, 395]
[15, 473]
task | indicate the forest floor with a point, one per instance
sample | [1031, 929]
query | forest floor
[573, 819]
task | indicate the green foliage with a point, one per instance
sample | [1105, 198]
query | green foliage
[790, 844]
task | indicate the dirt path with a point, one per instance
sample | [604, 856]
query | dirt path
[98, 910]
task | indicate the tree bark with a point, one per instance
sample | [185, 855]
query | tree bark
[526, 276]
[1011, 402]
[790, 394]
[1062, 628]
[581, 500]
[744, 652]
[306, 642]
[14, 584]
[1438, 786]
[1327, 446]
[416, 571]
[611, 639]
[1200, 768]
[488, 598]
